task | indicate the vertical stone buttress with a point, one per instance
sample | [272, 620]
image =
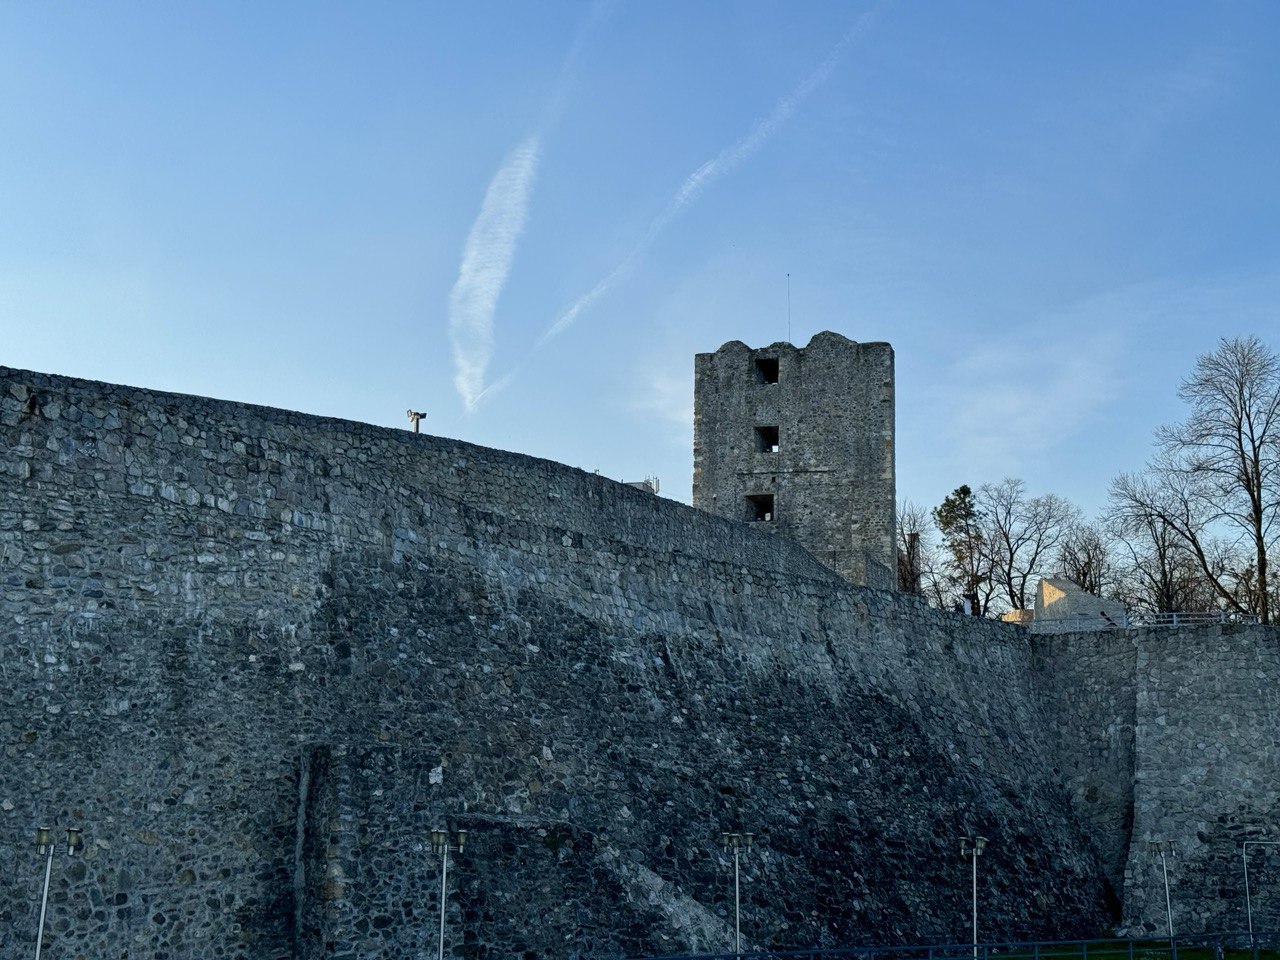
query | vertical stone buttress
[801, 442]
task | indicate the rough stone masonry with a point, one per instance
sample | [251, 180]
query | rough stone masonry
[801, 441]
[258, 655]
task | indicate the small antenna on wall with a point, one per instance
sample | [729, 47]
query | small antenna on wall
[788, 308]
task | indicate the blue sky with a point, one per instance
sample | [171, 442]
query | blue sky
[350, 209]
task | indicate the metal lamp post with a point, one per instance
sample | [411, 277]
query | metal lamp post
[739, 843]
[442, 843]
[1164, 849]
[45, 847]
[1248, 900]
[972, 848]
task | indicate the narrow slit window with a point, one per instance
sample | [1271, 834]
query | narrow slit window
[767, 439]
[767, 368]
[760, 507]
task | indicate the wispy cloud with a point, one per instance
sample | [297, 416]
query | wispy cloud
[486, 263]
[724, 162]
[1160, 99]
[667, 396]
[1070, 396]
[599, 11]
[1013, 401]
[470, 377]
[491, 245]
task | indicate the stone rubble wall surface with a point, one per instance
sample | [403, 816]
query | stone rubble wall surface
[1207, 775]
[1173, 735]
[1085, 683]
[258, 655]
[833, 474]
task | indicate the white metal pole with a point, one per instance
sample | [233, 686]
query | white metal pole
[1248, 904]
[1168, 904]
[737, 905]
[444, 874]
[44, 900]
[975, 903]
[1244, 856]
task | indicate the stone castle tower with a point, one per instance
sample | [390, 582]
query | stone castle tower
[801, 441]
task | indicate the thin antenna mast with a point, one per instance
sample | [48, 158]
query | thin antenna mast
[788, 308]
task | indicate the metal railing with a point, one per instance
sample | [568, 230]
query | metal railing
[1220, 946]
[1189, 618]
[1123, 621]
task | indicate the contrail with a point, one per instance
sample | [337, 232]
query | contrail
[569, 69]
[486, 261]
[491, 244]
[728, 159]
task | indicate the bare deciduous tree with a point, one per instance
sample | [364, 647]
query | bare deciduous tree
[911, 534]
[1020, 535]
[1157, 572]
[1086, 556]
[1215, 485]
[918, 566]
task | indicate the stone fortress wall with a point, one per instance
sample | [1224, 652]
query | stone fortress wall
[1173, 735]
[804, 436]
[257, 655]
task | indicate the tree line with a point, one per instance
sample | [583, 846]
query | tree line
[1194, 530]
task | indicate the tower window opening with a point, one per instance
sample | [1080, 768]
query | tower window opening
[767, 369]
[767, 439]
[760, 507]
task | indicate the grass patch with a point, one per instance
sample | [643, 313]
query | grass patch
[1142, 950]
